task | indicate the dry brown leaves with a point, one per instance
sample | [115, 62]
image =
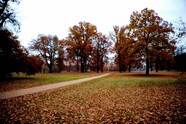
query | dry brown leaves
[99, 101]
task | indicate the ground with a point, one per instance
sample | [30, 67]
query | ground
[118, 98]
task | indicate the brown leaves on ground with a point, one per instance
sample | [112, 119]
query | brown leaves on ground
[99, 101]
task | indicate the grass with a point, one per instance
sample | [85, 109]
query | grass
[20, 81]
[118, 98]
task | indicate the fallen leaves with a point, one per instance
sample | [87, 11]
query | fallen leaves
[99, 101]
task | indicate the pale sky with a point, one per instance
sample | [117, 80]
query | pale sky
[57, 16]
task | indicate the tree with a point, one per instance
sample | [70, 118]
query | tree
[14, 57]
[49, 48]
[101, 46]
[123, 47]
[61, 56]
[36, 61]
[180, 61]
[8, 15]
[152, 35]
[79, 43]
[180, 35]
[118, 37]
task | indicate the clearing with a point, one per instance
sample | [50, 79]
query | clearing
[117, 98]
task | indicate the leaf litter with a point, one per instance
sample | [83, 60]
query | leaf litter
[99, 101]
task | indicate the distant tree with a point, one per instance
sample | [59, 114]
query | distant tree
[49, 48]
[71, 58]
[8, 15]
[179, 30]
[180, 61]
[180, 36]
[36, 61]
[79, 43]
[61, 56]
[14, 57]
[152, 35]
[123, 47]
[101, 47]
[117, 37]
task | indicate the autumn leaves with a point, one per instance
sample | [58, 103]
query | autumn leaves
[144, 43]
[85, 49]
[146, 40]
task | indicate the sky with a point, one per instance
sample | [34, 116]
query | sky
[55, 17]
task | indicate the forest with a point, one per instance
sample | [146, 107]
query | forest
[147, 43]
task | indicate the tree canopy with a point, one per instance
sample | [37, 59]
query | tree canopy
[80, 43]
[148, 37]
[146, 42]
[14, 57]
[49, 48]
[87, 46]
[8, 16]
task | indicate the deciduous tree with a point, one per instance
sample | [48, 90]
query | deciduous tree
[7, 14]
[123, 47]
[152, 35]
[14, 57]
[80, 42]
[49, 48]
[101, 47]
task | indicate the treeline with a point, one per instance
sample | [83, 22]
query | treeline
[147, 42]
[85, 49]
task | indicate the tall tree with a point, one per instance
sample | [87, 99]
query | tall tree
[180, 61]
[36, 62]
[8, 15]
[123, 47]
[80, 42]
[180, 35]
[61, 56]
[117, 37]
[101, 46]
[49, 48]
[152, 35]
[14, 57]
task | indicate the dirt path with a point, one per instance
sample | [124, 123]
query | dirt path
[16, 93]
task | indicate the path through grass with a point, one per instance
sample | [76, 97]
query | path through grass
[20, 81]
[118, 98]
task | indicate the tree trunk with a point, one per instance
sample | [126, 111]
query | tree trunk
[124, 67]
[102, 64]
[85, 65]
[129, 69]
[97, 63]
[147, 66]
[147, 61]
[82, 65]
[77, 65]
[50, 68]
[119, 62]
[156, 67]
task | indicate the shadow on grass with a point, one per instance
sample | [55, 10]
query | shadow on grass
[16, 79]
[181, 80]
[152, 74]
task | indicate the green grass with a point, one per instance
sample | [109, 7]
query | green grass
[113, 99]
[19, 81]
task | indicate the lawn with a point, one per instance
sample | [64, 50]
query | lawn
[118, 98]
[20, 81]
